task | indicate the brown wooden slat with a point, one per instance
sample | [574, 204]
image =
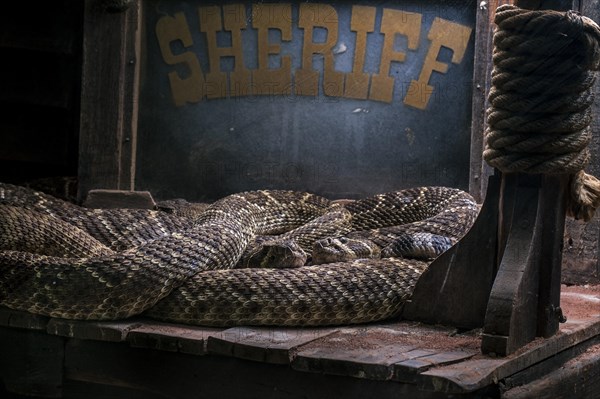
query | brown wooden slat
[409, 370]
[111, 331]
[510, 320]
[373, 363]
[475, 374]
[581, 257]
[144, 373]
[264, 344]
[119, 199]
[17, 319]
[109, 98]
[542, 369]
[174, 338]
[479, 171]
[579, 377]
[373, 352]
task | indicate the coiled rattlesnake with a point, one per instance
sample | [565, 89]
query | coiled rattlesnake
[62, 260]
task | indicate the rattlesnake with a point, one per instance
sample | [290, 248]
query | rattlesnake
[181, 269]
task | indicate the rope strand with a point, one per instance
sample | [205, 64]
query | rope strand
[545, 66]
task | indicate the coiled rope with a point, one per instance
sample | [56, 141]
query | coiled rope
[545, 66]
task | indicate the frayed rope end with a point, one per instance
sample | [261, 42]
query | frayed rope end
[584, 197]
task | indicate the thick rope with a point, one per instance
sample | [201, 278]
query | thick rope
[545, 66]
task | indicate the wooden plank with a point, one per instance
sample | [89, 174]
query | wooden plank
[111, 331]
[409, 370]
[581, 254]
[542, 369]
[129, 372]
[31, 362]
[17, 319]
[525, 299]
[101, 198]
[174, 338]
[109, 98]
[551, 227]
[480, 171]
[375, 352]
[373, 364]
[510, 322]
[475, 374]
[579, 377]
[264, 344]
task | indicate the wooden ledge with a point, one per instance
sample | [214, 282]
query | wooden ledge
[419, 357]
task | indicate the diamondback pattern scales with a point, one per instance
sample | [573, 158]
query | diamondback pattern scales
[181, 270]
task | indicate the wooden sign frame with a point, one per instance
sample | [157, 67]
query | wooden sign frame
[111, 90]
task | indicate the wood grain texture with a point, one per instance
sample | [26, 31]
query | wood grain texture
[581, 261]
[479, 170]
[108, 98]
[455, 288]
[577, 378]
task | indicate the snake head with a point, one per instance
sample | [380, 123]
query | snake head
[417, 246]
[277, 254]
[343, 249]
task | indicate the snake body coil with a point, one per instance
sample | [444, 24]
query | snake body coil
[180, 269]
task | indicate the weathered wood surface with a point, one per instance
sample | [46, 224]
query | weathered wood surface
[169, 337]
[581, 261]
[396, 351]
[578, 377]
[264, 344]
[102, 198]
[454, 290]
[525, 299]
[482, 371]
[479, 170]
[109, 94]
[394, 357]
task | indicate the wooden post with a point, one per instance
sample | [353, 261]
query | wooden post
[525, 299]
[504, 274]
[109, 98]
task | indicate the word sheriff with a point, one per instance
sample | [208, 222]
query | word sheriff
[190, 84]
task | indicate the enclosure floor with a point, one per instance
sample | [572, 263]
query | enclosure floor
[402, 356]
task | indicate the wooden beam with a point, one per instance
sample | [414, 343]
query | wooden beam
[109, 98]
[480, 171]
[525, 299]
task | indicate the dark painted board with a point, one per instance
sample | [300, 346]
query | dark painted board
[172, 337]
[108, 99]
[325, 142]
[17, 319]
[579, 377]
[121, 371]
[264, 344]
[582, 249]
[110, 331]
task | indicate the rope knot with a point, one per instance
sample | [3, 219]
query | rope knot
[545, 66]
